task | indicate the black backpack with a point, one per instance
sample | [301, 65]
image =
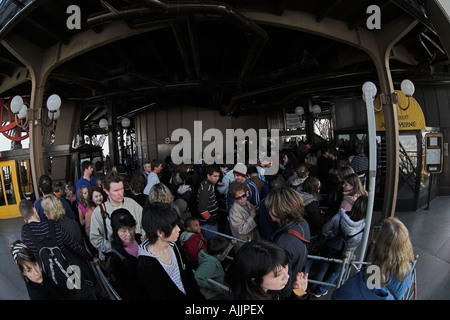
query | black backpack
[334, 247]
[51, 258]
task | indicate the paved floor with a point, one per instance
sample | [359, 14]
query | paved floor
[429, 231]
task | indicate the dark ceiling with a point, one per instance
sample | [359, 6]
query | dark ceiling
[207, 53]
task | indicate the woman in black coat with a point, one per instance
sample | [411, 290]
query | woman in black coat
[122, 260]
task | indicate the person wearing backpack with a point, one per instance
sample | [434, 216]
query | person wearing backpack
[286, 207]
[47, 239]
[345, 228]
[39, 285]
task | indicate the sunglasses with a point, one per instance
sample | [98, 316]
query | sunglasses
[241, 197]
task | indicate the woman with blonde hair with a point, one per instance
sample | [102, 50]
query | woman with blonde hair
[161, 193]
[285, 206]
[54, 210]
[393, 255]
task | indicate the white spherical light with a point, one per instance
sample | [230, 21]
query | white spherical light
[103, 123]
[371, 87]
[16, 104]
[23, 112]
[125, 122]
[316, 109]
[407, 87]
[53, 102]
[299, 111]
[55, 114]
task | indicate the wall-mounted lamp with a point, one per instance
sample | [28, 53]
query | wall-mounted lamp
[125, 123]
[300, 112]
[20, 110]
[315, 110]
[406, 86]
[408, 89]
[103, 123]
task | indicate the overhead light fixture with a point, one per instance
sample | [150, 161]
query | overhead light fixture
[316, 110]
[408, 89]
[406, 86]
[20, 110]
[103, 123]
[300, 112]
[125, 122]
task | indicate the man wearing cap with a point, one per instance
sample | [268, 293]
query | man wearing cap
[240, 175]
[208, 209]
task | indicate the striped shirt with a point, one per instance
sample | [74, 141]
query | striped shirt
[63, 239]
[360, 164]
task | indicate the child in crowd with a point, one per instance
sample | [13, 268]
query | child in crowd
[192, 240]
[210, 267]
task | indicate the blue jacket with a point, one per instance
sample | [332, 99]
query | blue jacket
[296, 249]
[355, 288]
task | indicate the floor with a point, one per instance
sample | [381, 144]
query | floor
[429, 231]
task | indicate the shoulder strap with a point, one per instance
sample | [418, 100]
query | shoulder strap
[297, 234]
[249, 189]
[104, 216]
[351, 236]
[392, 292]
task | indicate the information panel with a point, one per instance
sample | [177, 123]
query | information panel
[434, 154]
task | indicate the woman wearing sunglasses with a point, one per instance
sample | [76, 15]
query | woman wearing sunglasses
[242, 216]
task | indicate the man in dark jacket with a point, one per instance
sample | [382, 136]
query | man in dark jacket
[207, 207]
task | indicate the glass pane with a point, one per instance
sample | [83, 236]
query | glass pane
[9, 191]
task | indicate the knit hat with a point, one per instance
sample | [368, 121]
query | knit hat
[16, 247]
[241, 169]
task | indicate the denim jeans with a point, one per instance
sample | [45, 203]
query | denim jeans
[209, 235]
[325, 272]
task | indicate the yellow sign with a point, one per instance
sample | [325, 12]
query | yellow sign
[410, 119]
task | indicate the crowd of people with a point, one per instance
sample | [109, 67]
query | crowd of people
[207, 231]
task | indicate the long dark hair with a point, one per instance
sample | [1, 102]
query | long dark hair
[253, 261]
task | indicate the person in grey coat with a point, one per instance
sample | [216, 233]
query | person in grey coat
[352, 224]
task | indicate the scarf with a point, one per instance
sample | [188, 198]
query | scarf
[131, 248]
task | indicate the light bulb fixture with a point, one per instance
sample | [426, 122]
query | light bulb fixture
[53, 105]
[20, 111]
[371, 88]
[408, 89]
[23, 112]
[316, 110]
[125, 122]
[103, 123]
[300, 112]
